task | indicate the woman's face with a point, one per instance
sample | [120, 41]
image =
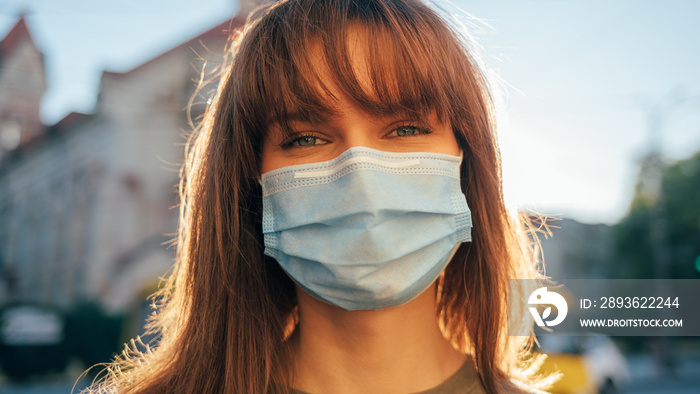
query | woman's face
[349, 127]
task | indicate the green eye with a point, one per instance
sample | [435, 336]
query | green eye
[306, 141]
[303, 141]
[405, 131]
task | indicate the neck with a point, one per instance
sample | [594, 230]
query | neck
[397, 349]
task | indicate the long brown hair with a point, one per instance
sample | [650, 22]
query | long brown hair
[227, 309]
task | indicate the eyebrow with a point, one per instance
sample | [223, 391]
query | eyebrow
[296, 116]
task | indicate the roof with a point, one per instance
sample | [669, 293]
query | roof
[69, 120]
[219, 33]
[19, 32]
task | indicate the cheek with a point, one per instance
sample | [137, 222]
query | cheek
[269, 160]
[447, 143]
[453, 145]
[271, 153]
[445, 140]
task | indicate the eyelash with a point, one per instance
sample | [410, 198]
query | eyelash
[289, 143]
[419, 130]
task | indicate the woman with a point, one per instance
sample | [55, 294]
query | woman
[342, 221]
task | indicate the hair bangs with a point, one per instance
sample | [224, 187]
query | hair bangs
[382, 57]
[383, 71]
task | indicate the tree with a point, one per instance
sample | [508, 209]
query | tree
[666, 200]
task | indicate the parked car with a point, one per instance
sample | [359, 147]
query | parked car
[589, 363]
[31, 341]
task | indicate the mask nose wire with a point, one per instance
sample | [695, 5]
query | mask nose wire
[354, 160]
[404, 164]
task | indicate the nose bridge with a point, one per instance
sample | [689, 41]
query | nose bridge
[359, 129]
[357, 135]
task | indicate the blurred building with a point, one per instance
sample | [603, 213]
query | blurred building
[87, 204]
[22, 84]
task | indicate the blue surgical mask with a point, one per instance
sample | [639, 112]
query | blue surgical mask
[369, 229]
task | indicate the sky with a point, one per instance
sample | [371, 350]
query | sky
[577, 80]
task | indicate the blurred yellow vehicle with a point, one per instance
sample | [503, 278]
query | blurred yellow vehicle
[589, 364]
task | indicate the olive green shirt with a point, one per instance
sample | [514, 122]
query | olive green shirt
[464, 381]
